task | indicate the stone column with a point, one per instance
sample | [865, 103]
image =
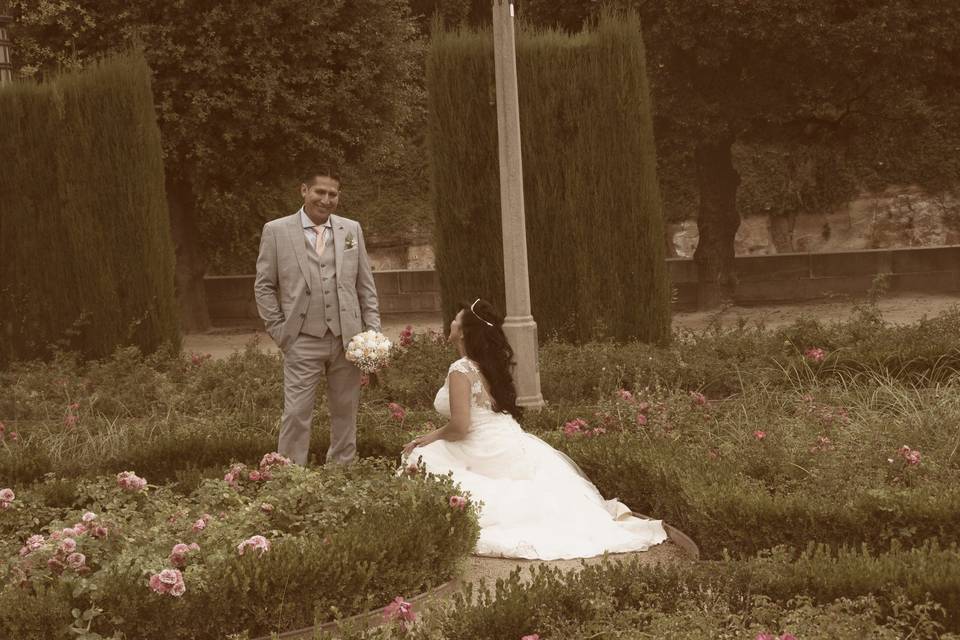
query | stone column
[6, 46]
[519, 326]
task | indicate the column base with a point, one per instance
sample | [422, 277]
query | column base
[521, 332]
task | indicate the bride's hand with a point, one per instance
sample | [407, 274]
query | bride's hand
[413, 444]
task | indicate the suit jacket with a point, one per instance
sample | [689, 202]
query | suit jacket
[283, 282]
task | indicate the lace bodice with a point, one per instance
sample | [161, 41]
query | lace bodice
[479, 397]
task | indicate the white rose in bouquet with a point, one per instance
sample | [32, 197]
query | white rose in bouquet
[370, 351]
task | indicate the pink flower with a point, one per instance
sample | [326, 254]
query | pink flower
[129, 481]
[625, 395]
[178, 555]
[254, 476]
[14, 436]
[913, 458]
[70, 421]
[815, 354]
[76, 561]
[178, 589]
[34, 542]
[641, 420]
[406, 336]
[68, 545]
[7, 496]
[759, 435]
[89, 516]
[273, 459]
[258, 543]
[643, 407]
[574, 427]
[199, 525]
[197, 359]
[364, 380]
[765, 636]
[788, 636]
[266, 507]
[55, 565]
[399, 611]
[698, 398]
[458, 502]
[170, 576]
[99, 532]
[598, 431]
[396, 411]
[79, 529]
[157, 585]
[532, 636]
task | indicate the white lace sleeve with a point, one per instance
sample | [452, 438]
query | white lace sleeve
[478, 393]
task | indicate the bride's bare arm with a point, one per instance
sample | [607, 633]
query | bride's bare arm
[459, 424]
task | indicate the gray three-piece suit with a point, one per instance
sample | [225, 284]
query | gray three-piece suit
[312, 305]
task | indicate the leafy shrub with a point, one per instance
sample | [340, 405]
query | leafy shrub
[323, 552]
[732, 600]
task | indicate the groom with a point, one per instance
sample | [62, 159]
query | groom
[315, 291]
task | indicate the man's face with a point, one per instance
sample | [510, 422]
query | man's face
[320, 198]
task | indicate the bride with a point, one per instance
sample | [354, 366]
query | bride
[536, 503]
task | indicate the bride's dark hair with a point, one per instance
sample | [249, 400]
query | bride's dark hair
[486, 344]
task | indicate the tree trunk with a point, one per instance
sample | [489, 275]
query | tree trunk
[717, 222]
[191, 266]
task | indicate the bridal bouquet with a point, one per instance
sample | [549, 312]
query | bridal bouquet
[369, 350]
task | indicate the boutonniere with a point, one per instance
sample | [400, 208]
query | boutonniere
[349, 242]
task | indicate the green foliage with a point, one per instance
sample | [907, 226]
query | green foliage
[327, 554]
[83, 222]
[730, 600]
[248, 96]
[594, 224]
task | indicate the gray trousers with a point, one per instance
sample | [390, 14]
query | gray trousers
[305, 361]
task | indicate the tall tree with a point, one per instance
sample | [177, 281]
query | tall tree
[246, 93]
[873, 82]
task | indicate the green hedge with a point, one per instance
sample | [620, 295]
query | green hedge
[820, 595]
[597, 262]
[84, 231]
[328, 556]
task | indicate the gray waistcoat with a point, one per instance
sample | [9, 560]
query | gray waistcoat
[323, 311]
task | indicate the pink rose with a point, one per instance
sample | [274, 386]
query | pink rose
[254, 476]
[99, 532]
[68, 545]
[7, 496]
[157, 585]
[258, 543]
[273, 459]
[625, 395]
[815, 354]
[55, 565]
[698, 398]
[396, 411]
[759, 435]
[70, 421]
[788, 636]
[79, 528]
[14, 436]
[76, 561]
[765, 636]
[574, 427]
[89, 516]
[399, 610]
[458, 502]
[170, 576]
[178, 589]
[406, 336]
[129, 481]
[532, 636]
[199, 525]
[641, 420]
[913, 458]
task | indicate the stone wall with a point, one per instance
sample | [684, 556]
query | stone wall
[780, 278]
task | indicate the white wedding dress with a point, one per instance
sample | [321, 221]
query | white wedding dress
[536, 503]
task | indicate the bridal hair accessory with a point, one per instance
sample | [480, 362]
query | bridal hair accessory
[487, 322]
[369, 351]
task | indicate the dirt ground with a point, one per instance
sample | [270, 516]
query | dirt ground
[899, 309]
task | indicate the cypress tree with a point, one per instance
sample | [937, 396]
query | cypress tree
[83, 219]
[592, 200]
